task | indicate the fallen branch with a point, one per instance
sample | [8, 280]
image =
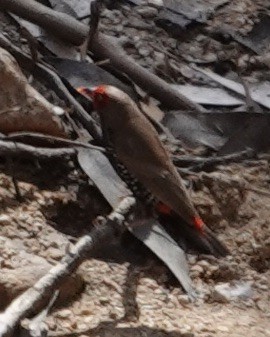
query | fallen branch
[32, 300]
[103, 47]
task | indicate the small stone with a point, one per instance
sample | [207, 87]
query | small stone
[262, 287]
[249, 303]
[262, 306]
[223, 328]
[119, 28]
[196, 269]
[5, 219]
[104, 300]
[82, 326]
[226, 292]
[54, 253]
[183, 299]
[57, 110]
[147, 12]
[144, 52]
[88, 319]
[86, 312]
[186, 331]
[192, 259]
[204, 264]
[157, 3]
[65, 313]
[171, 43]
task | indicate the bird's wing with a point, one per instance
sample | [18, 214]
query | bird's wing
[144, 155]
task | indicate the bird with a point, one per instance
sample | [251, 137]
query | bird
[137, 147]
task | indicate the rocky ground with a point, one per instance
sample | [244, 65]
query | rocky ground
[124, 290]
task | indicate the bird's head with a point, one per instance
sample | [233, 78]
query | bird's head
[113, 105]
[103, 95]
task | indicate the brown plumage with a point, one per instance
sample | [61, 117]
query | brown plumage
[137, 145]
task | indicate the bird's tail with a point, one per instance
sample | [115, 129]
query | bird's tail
[203, 240]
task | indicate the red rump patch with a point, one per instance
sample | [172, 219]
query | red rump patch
[163, 209]
[166, 210]
[198, 223]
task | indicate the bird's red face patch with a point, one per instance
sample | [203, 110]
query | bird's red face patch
[98, 95]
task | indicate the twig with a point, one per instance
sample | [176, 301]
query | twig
[95, 8]
[50, 140]
[14, 149]
[45, 74]
[32, 300]
[200, 163]
[10, 165]
[103, 47]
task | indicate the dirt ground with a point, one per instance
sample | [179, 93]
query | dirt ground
[127, 291]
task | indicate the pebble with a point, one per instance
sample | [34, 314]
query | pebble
[187, 334]
[225, 292]
[157, 3]
[183, 299]
[86, 312]
[147, 12]
[204, 263]
[262, 287]
[119, 28]
[58, 111]
[186, 331]
[65, 313]
[54, 253]
[223, 328]
[5, 219]
[262, 306]
[196, 269]
[144, 52]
